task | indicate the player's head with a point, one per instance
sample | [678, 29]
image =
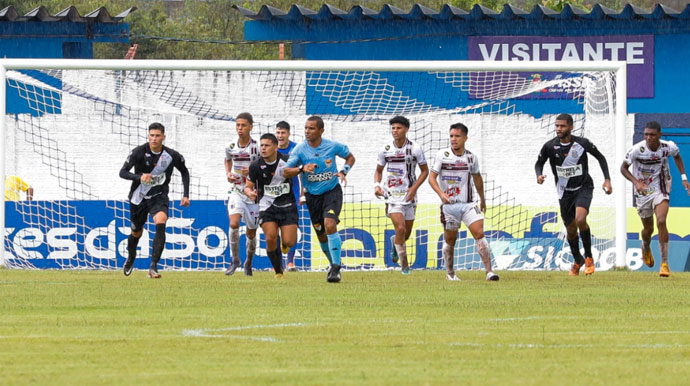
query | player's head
[313, 129]
[156, 135]
[283, 133]
[458, 136]
[564, 125]
[399, 127]
[268, 145]
[652, 134]
[244, 123]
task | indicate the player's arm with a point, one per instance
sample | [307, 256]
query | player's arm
[128, 165]
[181, 166]
[640, 186]
[681, 168]
[479, 185]
[603, 164]
[250, 189]
[435, 186]
[412, 192]
[378, 175]
[349, 162]
[539, 165]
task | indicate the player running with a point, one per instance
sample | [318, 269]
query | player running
[455, 165]
[567, 155]
[324, 196]
[270, 185]
[400, 159]
[153, 165]
[651, 178]
[238, 156]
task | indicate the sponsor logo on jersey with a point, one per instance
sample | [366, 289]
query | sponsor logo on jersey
[320, 177]
[569, 171]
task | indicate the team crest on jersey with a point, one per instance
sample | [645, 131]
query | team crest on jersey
[328, 162]
[446, 154]
[232, 146]
[641, 149]
[388, 147]
[317, 227]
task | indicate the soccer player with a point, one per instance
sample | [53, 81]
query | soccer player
[455, 165]
[324, 196]
[567, 155]
[270, 185]
[651, 178]
[238, 156]
[14, 185]
[400, 189]
[153, 165]
[285, 146]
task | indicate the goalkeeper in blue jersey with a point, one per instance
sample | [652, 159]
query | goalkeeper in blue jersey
[315, 159]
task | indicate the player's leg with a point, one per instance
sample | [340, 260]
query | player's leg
[661, 212]
[583, 200]
[235, 211]
[395, 212]
[451, 223]
[567, 204]
[315, 208]
[646, 213]
[477, 230]
[251, 220]
[270, 230]
[160, 218]
[332, 204]
[138, 215]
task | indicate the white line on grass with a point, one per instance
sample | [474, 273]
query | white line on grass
[578, 346]
[213, 332]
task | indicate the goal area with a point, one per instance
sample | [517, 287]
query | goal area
[69, 125]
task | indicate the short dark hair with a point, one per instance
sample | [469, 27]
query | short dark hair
[269, 136]
[459, 126]
[246, 116]
[318, 120]
[654, 125]
[401, 120]
[565, 117]
[157, 126]
[283, 125]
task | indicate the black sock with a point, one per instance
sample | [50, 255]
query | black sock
[158, 245]
[132, 243]
[274, 256]
[586, 237]
[575, 249]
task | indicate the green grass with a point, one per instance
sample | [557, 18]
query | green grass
[83, 327]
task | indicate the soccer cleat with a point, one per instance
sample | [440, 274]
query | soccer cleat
[394, 252]
[575, 269]
[291, 267]
[247, 271]
[153, 274]
[490, 276]
[128, 267]
[406, 271]
[589, 266]
[664, 271]
[279, 276]
[231, 268]
[333, 274]
[285, 249]
[452, 277]
[648, 257]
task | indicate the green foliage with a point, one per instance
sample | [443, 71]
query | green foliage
[382, 328]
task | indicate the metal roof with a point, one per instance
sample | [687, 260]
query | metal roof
[449, 12]
[69, 14]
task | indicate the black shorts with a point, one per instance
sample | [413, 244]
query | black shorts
[280, 215]
[573, 199]
[138, 214]
[324, 205]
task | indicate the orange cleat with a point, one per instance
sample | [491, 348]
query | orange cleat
[589, 266]
[664, 271]
[575, 270]
[647, 257]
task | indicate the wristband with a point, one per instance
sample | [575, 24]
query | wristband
[346, 169]
[683, 177]
[301, 169]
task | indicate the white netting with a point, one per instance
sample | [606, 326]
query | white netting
[71, 131]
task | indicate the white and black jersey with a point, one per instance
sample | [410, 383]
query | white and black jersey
[241, 158]
[272, 187]
[455, 174]
[159, 165]
[401, 164]
[651, 167]
[569, 163]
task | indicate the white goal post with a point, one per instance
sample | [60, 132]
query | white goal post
[617, 68]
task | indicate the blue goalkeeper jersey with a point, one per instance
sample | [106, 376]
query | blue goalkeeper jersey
[323, 179]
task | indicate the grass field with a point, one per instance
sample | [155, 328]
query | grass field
[86, 327]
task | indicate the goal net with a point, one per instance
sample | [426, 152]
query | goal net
[68, 132]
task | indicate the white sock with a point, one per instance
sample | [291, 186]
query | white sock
[251, 248]
[402, 254]
[448, 257]
[484, 253]
[235, 244]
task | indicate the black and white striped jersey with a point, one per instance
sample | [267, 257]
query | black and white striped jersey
[272, 187]
[454, 172]
[651, 167]
[241, 158]
[401, 164]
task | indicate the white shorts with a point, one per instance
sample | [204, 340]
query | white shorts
[248, 211]
[646, 209]
[408, 211]
[453, 214]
